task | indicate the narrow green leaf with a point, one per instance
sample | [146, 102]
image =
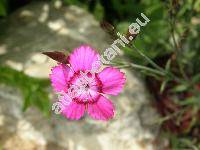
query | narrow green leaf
[168, 64]
[163, 85]
[180, 88]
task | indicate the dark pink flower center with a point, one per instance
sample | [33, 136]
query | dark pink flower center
[86, 88]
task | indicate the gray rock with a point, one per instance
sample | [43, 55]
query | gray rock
[43, 26]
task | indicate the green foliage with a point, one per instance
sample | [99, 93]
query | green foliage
[150, 41]
[98, 11]
[183, 143]
[33, 90]
[3, 8]
[170, 40]
[72, 2]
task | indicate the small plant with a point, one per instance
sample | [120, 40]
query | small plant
[33, 90]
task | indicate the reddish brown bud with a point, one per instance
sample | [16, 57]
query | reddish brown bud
[57, 56]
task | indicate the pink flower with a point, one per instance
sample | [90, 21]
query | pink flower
[91, 99]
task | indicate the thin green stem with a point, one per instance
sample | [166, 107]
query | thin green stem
[172, 20]
[170, 116]
[147, 69]
[141, 67]
[160, 70]
[148, 59]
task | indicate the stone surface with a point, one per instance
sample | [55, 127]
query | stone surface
[41, 27]
[45, 27]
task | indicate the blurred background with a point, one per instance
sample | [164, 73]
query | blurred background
[159, 108]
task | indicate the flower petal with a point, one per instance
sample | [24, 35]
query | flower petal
[83, 58]
[112, 80]
[103, 109]
[60, 76]
[74, 111]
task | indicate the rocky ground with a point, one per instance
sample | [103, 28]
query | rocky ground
[43, 27]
